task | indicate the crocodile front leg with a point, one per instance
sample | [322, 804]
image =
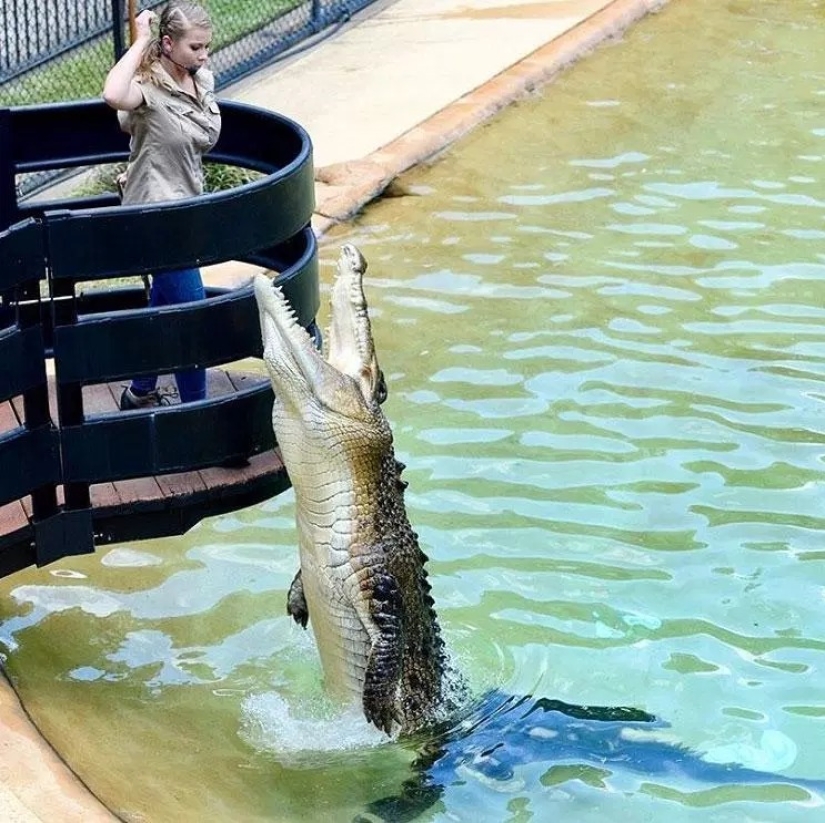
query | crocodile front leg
[296, 603]
[384, 662]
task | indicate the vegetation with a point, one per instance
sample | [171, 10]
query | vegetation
[80, 75]
[235, 19]
[217, 177]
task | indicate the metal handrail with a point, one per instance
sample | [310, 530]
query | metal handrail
[48, 248]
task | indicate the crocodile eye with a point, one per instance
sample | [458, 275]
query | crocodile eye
[381, 388]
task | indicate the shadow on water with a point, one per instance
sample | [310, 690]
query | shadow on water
[509, 744]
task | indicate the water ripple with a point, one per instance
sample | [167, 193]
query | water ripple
[601, 323]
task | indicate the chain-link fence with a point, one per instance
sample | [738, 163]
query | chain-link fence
[55, 50]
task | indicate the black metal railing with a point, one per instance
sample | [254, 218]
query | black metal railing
[47, 249]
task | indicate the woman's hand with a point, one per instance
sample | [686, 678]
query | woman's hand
[120, 90]
[143, 24]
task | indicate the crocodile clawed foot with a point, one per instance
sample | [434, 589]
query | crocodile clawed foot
[380, 711]
[299, 615]
[296, 603]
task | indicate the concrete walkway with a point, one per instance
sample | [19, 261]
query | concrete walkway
[396, 88]
[383, 94]
[413, 76]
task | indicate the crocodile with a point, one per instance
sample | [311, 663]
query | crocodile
[363, 586]
[362, 582]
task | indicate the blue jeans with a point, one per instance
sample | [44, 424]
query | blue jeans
[170, 288]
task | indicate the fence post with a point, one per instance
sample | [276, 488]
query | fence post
[318, 15]
[8, 191]
[118, 16]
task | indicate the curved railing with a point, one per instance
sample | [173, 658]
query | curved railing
[49, 248]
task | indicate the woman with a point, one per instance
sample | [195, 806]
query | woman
[165, 100]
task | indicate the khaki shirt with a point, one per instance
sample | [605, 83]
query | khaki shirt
[171, 131]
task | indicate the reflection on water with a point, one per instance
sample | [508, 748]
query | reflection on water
[601, 324]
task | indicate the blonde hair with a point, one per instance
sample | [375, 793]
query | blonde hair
[176, 19]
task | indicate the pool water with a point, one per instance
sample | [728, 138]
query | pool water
[601, 321]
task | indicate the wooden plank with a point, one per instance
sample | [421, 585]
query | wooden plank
[115, 390]
[104, 495]
[130, 491]
[178, 484]
[218, 383]
[104, 399]
[13, 517]
[17, 406]
[220, 477]
[98, 399]
[267, 462]
[138, 489]
[26, 502]
[171, 490]
[9, 421]
[244, 380]
[181, 484]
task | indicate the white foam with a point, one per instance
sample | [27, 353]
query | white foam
[774, 753]
[270, 725]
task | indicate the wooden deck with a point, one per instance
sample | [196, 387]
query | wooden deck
[158, 505]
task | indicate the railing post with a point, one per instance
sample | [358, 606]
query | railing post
[8, 192]
[36, 399]
[25, 255]
[62, 293]
[318, 15]
[118, 16]
[71, 531]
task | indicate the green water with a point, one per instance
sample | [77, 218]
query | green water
[601, 319]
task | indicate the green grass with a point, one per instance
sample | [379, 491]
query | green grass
[81, 75]
[217, 177]
[76, 77]
[233, 20]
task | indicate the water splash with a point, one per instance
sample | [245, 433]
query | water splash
[273, 726]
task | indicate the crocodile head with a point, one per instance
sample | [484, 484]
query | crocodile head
[348, 384]
[362, 582]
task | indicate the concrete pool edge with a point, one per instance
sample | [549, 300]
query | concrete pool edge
[36, 784]
[343, 189]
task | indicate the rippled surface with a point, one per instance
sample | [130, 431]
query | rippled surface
[601, 323]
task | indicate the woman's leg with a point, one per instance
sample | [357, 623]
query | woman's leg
[186, 286]
[141, 386]
[170, 288]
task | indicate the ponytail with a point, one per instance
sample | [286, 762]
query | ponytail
[151, 56]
